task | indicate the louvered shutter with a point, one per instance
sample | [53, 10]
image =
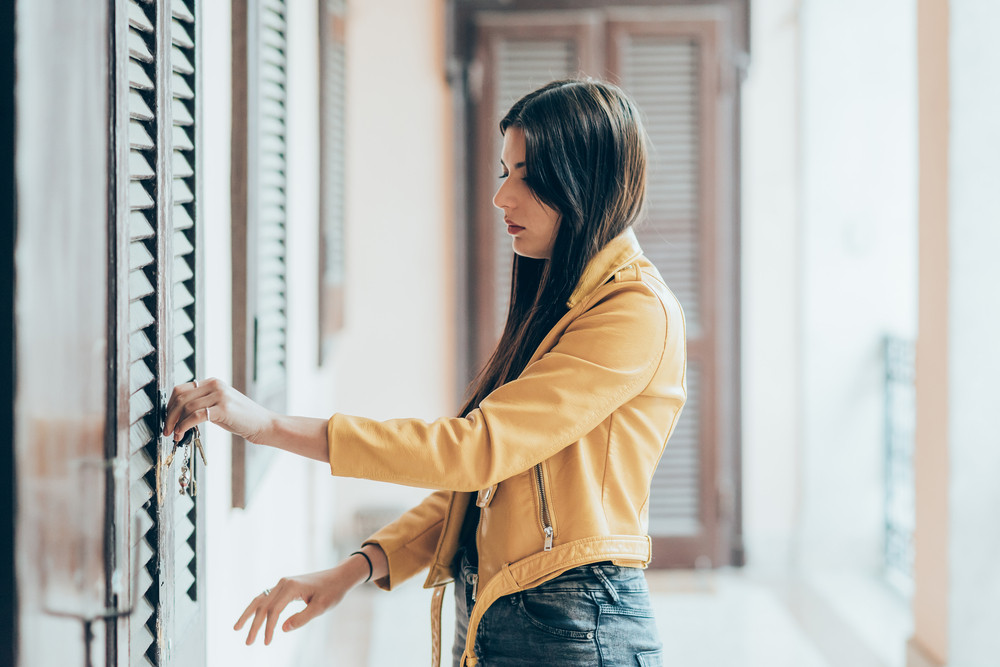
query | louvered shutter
[142, 311]
[159, 183]
[333, 88]
[260, 303]
[189, 605]
[662, 74]
[271, 289]
[671, 75]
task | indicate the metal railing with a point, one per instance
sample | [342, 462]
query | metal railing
[900, 420]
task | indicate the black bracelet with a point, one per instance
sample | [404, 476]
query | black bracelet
[371, 568]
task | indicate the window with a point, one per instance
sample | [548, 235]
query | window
[333, 82]
[260, 294]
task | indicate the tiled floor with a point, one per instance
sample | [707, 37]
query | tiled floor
[723, 618]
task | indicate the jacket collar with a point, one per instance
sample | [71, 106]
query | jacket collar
[607, 262]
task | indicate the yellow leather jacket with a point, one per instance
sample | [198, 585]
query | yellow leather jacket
[559, 460]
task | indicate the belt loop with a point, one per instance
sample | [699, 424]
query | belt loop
[603, 578]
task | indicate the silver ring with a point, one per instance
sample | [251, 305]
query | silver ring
[208, 415]
[195, 383]
[267, 591]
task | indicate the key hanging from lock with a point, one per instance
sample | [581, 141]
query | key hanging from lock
[197, 443]
[184, 442]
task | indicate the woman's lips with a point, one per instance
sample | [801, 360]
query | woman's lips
[512, 228]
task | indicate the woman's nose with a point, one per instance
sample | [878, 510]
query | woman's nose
[501, 199]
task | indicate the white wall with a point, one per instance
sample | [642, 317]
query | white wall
[770, 286]
[829, 267]
[287, 527]
[397, 352]
[858, 270]
[974, 326]
[395, 356]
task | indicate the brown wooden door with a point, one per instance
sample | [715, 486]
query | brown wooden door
[156, 310]
[670, 63]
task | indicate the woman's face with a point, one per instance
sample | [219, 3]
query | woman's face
[532, 224]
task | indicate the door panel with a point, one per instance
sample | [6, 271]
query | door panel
[671, 69]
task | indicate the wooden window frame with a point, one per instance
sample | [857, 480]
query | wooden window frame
[333, 210]
[249, 463]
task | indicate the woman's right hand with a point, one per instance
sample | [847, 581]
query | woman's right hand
[213, 400]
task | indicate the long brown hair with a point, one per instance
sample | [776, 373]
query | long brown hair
[585, 156]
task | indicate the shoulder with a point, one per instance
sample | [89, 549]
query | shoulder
[634, 307]
[637, 286]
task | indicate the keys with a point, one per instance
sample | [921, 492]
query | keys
[185, 478]
[197, 443]
[187, 482]
[170, 457]
[183, 442]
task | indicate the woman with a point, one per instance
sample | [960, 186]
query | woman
[542, 520]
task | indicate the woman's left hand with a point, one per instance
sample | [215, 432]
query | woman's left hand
[319, 590]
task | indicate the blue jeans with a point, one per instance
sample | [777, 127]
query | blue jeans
[596, 615]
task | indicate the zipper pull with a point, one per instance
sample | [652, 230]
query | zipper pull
[548, 538]
[475, 586]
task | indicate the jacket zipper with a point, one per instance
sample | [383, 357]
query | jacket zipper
[475, 586]
[544, 506]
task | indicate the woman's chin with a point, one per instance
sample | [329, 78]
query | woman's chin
[524, 250]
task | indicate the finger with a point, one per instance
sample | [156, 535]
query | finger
[194, 413]
[179, 397]
[248, 612]
[255, 626]
[274, 611]
[296, 621]
[191, 421]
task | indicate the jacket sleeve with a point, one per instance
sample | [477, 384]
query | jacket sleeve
[605, 357]
[409, 542]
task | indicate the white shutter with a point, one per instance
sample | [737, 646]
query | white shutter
[182, 57]
[161, 321]
[142, 325]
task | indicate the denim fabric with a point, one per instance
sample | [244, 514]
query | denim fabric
[597, 615]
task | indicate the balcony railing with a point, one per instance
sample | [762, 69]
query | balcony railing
[900, 418]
